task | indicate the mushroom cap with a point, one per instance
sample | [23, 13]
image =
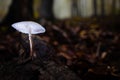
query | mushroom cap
[28, 27]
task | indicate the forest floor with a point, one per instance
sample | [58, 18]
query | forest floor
[77, 49]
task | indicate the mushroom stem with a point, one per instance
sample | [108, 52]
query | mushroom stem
[30, 41]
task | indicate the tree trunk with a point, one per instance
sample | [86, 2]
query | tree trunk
[95, 7]
[46, 9]
[113, 7]
[102, 8]
[19, 10]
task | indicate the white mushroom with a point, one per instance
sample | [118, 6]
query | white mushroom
[29, 27]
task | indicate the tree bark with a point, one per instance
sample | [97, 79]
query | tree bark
[95, 7]
[19, 10]
[46, 9]
[102, 8]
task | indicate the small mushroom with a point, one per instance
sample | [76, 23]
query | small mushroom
[29, 27]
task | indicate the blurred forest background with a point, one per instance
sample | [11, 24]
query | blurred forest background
[11, 10]
[85, 34]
